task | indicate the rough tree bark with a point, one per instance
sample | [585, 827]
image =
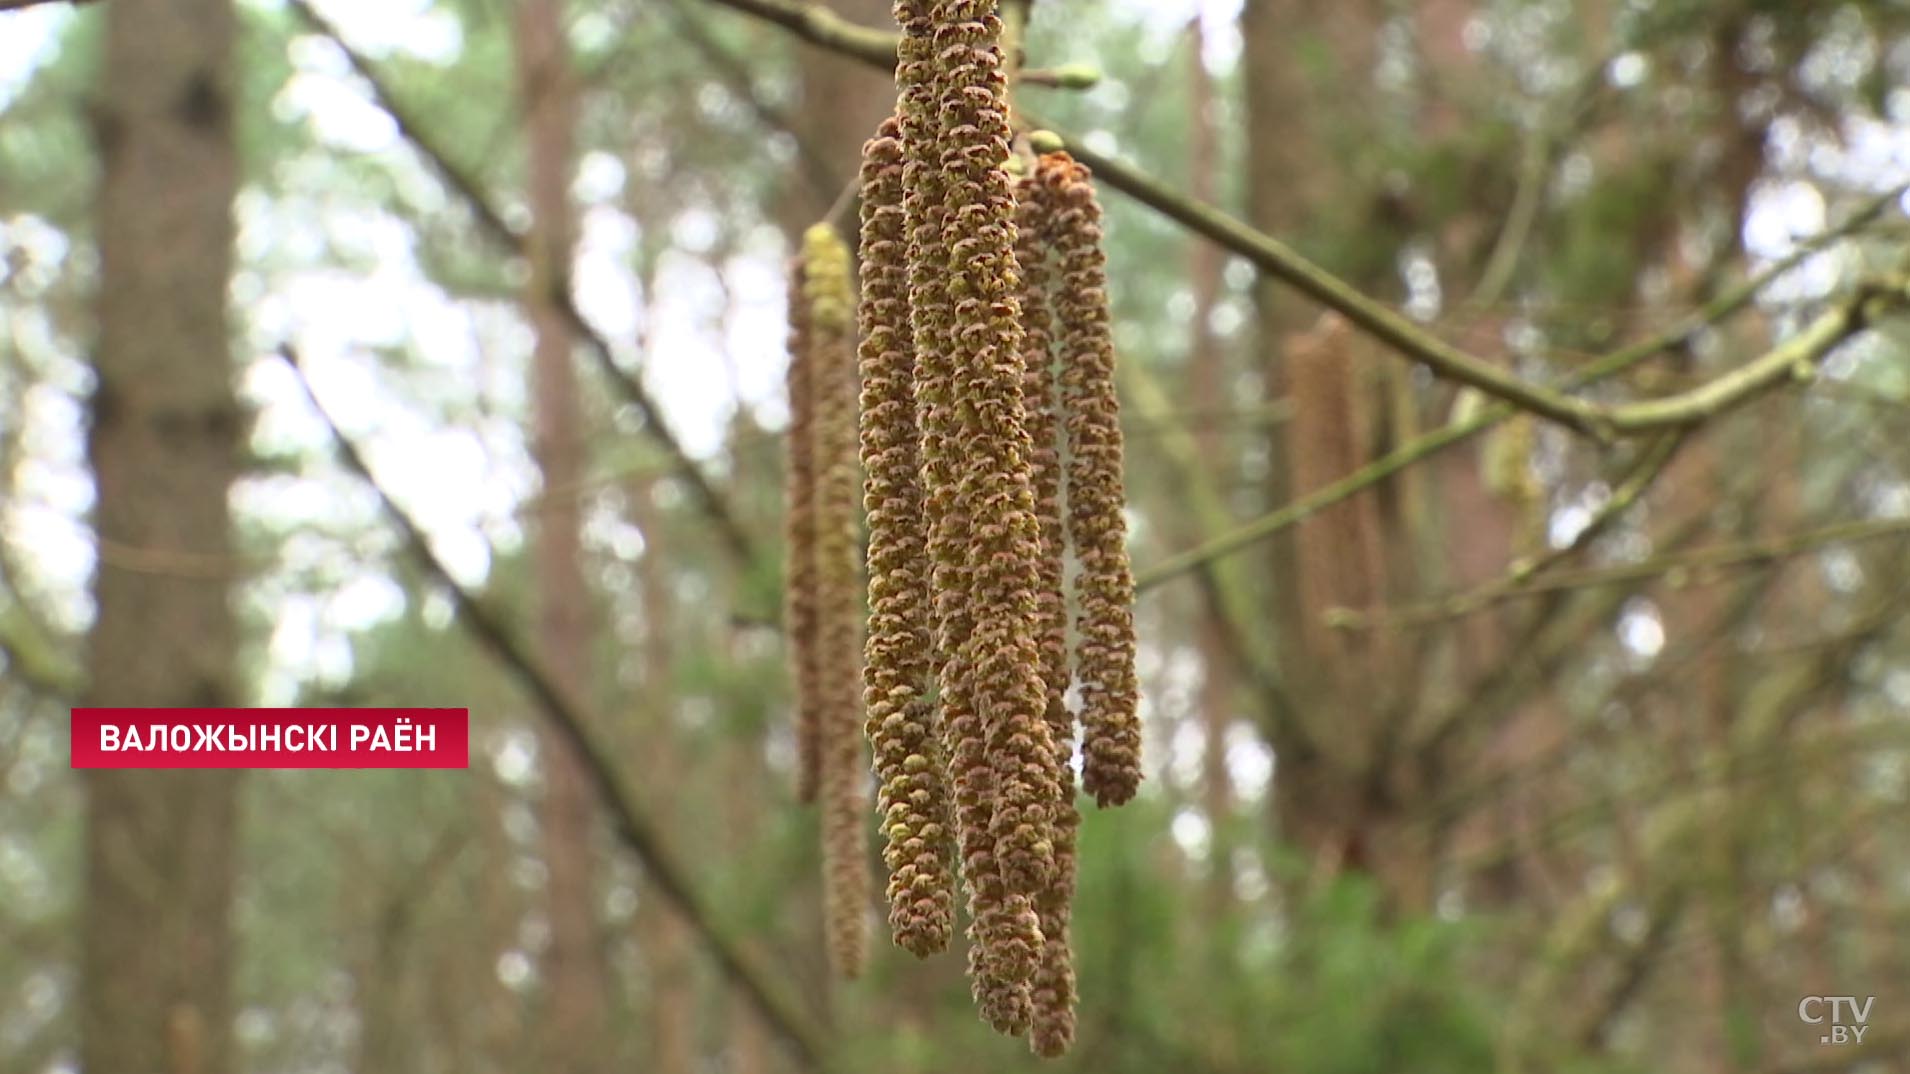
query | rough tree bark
[156, 965]
[575, 974]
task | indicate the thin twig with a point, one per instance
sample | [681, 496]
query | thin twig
[1644, 473]
[821, 175]
[1696, 566]
[21, 5]
[569, 717]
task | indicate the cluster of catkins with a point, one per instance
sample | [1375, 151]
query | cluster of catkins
[985, 360]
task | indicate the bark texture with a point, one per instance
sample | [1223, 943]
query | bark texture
[156, 965]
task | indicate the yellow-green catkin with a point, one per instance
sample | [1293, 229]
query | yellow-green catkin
[1053, 994]
[799, 573]
[843, 783]
[1105, 639]
[897, 670]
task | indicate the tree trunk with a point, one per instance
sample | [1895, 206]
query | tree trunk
[1277, 162]
[156, 967]
[1208, 376]
[574, 970]
[664, 945]
[842, 102]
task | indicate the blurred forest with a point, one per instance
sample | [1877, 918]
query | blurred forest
[1521, 562]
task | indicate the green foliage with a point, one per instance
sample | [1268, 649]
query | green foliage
[46, 141]
[1604, 232]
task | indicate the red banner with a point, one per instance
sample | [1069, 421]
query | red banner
[271, 738]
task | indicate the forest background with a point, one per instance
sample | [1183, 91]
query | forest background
[1501, 727]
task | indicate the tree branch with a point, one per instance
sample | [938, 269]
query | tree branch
[1282, 262]
[735, 537]
[1644, 473]
[568, 716]
[22, 5]
[822, 175]
[820, 26]
[1711, 313]
[1696, 566]
[1794, 359]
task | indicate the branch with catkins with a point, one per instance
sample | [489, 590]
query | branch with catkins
[986, 359]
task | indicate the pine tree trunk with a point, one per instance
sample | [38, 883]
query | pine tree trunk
[664, 945]
[156, 969]
[1276, 163]
[1208, 377]
[574, 970]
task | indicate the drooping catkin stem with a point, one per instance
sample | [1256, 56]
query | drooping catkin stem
[1053, 992]
[1105, 645]
[897, 670]
[799, 574]
[843, 785]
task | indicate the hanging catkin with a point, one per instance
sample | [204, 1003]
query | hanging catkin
[963, 424]
[799, 588]
[1053, 993]
[838, 597]
[1341, 549]
[897, 675]
[1004, 538]
[946, 59]
[1105, 643]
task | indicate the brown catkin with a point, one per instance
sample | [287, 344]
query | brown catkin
[799, 574]
[1004, 933]
[1105, 642]
[1003, 661]
[844, 776]
[996, 483]
[1342, 554]
[999, 920]
[897, 672]
[1053, 992]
